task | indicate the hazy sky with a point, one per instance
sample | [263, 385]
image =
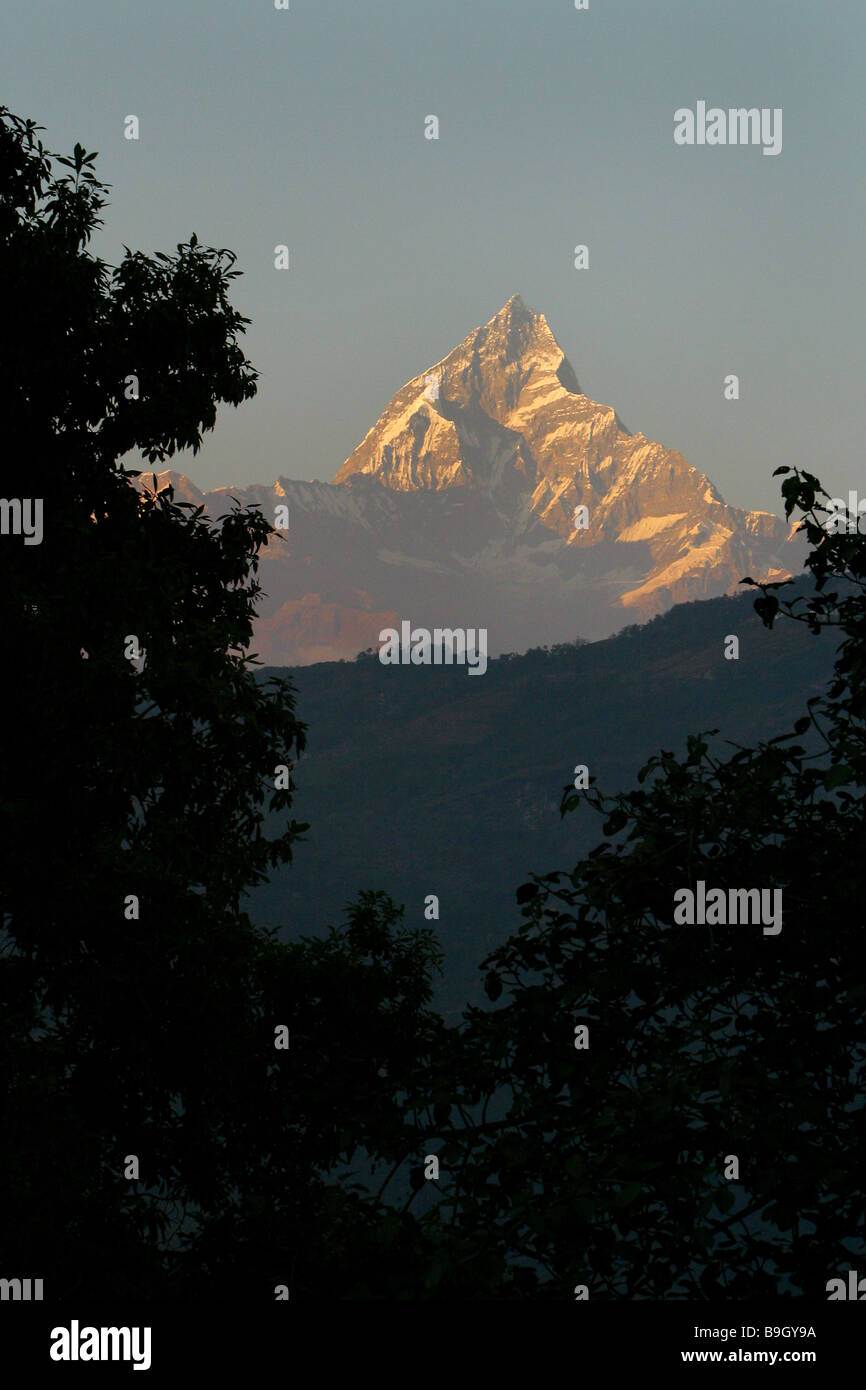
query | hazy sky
[306, 127]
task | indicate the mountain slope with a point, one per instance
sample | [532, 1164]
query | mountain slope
[417, 780]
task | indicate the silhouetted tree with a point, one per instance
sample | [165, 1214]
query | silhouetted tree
[141, 799]
[606, 1165]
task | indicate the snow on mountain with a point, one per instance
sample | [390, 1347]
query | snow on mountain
[458, 509]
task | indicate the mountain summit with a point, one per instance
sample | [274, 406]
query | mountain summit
[471, 418]
[460, 506]
[508, 419]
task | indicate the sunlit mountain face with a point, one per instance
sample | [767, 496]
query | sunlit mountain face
[491, 492]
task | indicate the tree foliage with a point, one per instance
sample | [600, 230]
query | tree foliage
[153, 1034]
[605, 1165]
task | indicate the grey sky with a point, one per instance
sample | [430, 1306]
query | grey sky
[556, 128]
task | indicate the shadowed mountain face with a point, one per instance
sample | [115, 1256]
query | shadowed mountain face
[417, 780]
[458, 508]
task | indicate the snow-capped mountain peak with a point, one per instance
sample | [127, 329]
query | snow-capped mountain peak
[492, 492]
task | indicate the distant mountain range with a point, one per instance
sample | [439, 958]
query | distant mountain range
[458, 508]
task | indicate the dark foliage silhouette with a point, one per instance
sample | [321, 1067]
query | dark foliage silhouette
[139, 1003]
[605, 1166]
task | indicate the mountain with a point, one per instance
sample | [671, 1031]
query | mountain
[458, 508]
[417, 780]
